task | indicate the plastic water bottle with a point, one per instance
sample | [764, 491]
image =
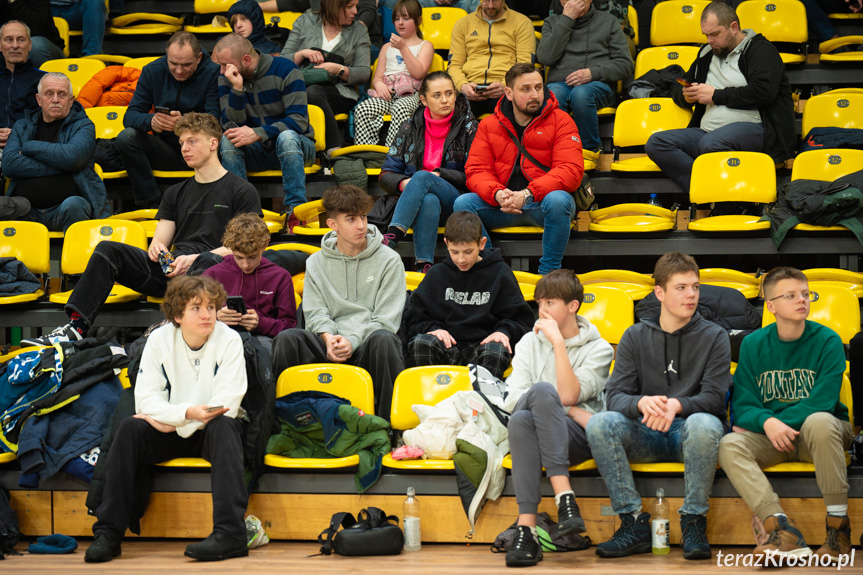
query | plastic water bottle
[659, 524]
[413, 537]
[654, 201]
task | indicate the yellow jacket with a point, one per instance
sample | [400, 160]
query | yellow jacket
[493, 47]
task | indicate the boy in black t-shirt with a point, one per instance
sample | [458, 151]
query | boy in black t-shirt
[192, 217]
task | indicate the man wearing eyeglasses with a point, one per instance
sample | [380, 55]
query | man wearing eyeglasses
[786, 408]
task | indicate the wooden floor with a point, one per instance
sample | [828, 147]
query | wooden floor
[285, 557]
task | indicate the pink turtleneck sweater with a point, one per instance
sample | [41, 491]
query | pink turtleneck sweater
[435, 136]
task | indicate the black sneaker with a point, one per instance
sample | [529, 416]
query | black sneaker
[694, 538]
[217, 547]
[568, 517]
[101, 550]
[633, 536]
[61, 334]
[390, 241]
[525, 551]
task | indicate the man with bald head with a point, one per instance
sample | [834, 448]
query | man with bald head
[265, 116]
[18, 77]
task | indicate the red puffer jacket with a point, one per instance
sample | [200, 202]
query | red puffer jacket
[551, 138]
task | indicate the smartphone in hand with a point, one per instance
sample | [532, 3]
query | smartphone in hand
[237, 303]
[214, 408]
[162, 110]
[683, 82]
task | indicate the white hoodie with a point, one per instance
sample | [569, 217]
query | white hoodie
[589, 355]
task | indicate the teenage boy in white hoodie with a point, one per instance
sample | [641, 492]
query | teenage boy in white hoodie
[558, 379]
[190, 384]
[353, 299]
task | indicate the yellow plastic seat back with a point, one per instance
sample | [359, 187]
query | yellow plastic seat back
[835, 306]
[608, 308]
[426, 385]
[733, 177]
[776, 20]
[347, 381]
[437, 25]
[826, 165]
[63, 28]
[635, 284]
[81, 239]
[139, 63]
[108, 120]
[79, 70]
[316, 120]
[659, 57]
[748, 285]
[677, 22]
[636, 120]
[851, 280]
[286, 19]
[834, 110]
[146, 23]
[527, 283]
[28, 242]
[296, 247]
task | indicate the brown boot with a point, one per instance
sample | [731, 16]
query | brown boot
[785, 540]
[838, 538]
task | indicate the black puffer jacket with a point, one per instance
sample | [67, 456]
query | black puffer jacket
[721, 305]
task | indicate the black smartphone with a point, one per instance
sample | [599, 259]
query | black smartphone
[237, 303]
[231, 126]
[481, 87]
[162, 109]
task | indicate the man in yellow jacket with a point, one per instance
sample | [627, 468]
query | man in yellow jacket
[485, 44]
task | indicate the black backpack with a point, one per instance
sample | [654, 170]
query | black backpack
[260, 405]
[9, 530]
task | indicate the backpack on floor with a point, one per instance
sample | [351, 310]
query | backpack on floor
[9, 531]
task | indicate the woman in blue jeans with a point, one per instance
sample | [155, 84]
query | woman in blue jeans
[426, 165]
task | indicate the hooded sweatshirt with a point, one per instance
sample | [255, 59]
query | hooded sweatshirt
[353, 296]
[251, 10]
[589, 355]
[268, 290]
[472, 304]
[690, 364]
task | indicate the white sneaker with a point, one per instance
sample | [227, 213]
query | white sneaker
[61, 334]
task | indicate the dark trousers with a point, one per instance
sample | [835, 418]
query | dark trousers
[328, 99]
[130, 266]
[380, 355]
[142, 153]
[137, 443]
[480, 107]
[426, 349]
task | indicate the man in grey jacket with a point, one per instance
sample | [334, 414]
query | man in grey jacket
[666, 402]
[353, 298]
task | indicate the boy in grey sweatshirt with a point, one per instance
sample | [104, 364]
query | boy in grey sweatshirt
[665, 402]
[353, 298]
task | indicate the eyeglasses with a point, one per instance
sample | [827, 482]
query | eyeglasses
[793, 296]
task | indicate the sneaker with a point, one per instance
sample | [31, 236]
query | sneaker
[838, 538]
[423, 267]
[694, 539]
[291, 221]
[525, 551]
[101, 550]
[389, 240]
[568, 517]
[633, 536]
[60, 334]
[217, 547]
[785, 539]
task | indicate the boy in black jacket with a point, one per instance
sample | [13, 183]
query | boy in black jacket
[474, 297]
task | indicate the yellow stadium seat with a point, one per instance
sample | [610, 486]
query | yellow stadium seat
[835, 306]
[732, 177]
[833, 110]
[79, 70]
[297, 247]
[658, 467]
[608, 308]
[309, 215]
[781, 21]
[346, 381]
[825, 165]
[286, 19]
[206, 8]
[427, 385]
[637, 120]
[632, 218]
[109, 123]
[677, 22]
[527, 283]
[80, 241]
[851, 280]
[660, 57]
[437, 24]
[63, 28]
[413, 279]
[109, 59]
[632, 18]
[361, 148]
[28, 242]
[635, 284]
[139, 63]
[748, 285]
[144, 23]
[7, 457]
[521, 230]
[316, 120]
[147, 219]
[583, 466]
[828, 56]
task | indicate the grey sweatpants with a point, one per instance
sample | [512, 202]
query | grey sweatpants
[542, 435]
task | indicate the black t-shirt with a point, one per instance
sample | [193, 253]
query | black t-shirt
[517, 181]
[201, 211]
[47, 191]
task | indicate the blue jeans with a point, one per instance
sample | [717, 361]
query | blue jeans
[674, 151]
[554, 213]
[88, 16]
[426, 201]
[43, 50]
[583, 102]
[293, 152]
[60, 217]
[616, 440]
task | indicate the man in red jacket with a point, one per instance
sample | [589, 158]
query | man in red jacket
[524, 164]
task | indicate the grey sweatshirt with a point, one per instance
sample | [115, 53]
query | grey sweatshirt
[691, 364]
[353, 296]
[595, 41]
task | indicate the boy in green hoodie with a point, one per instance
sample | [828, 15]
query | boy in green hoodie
[353, 299]
[786, 408]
